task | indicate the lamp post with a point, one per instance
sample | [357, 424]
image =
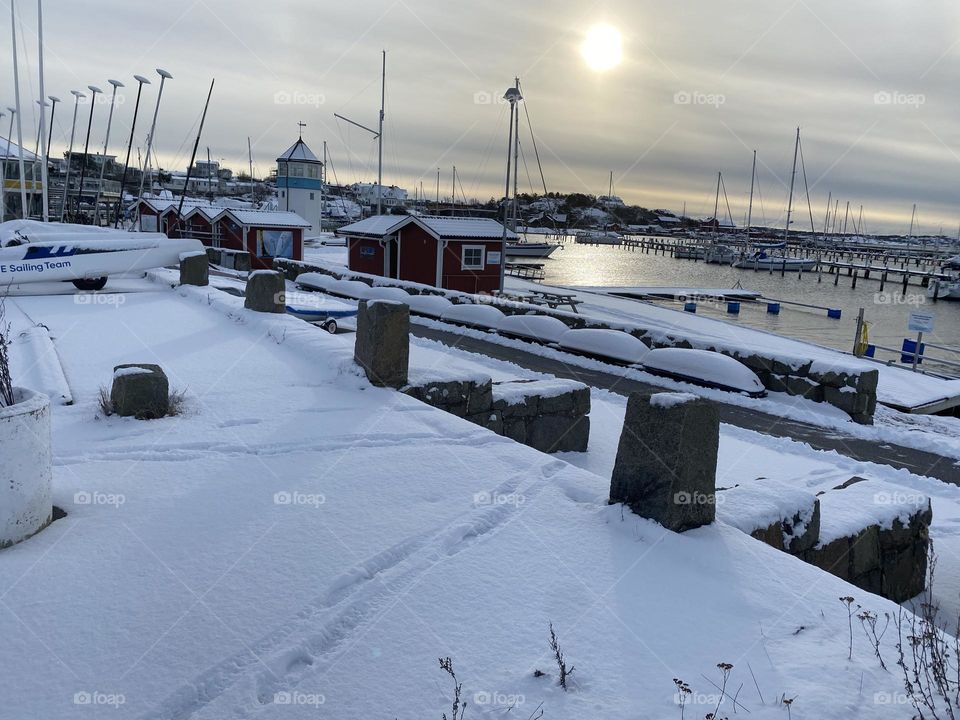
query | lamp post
[103, 163]
[36, 145]
[53, 109]
[141, 81]
[16, 90]
[3, 176]
[73, 130]
[164, 76]
[86, 145]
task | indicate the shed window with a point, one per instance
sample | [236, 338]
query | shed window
[472, 257]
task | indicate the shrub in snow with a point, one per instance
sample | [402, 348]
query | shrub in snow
[562, 668]
[6, 382]
[458, 706]
[26, 506]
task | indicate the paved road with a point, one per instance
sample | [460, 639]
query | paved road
[916, 461]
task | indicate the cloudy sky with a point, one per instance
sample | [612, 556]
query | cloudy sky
[699, 86]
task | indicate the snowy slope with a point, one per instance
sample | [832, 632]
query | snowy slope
[299, 544]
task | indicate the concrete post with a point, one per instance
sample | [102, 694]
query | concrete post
[383, 342]
[667, 459]
[265, 292]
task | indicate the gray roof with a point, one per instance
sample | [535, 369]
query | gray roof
[11, 149]
[267, 218]
[299, 152]
[439, 227]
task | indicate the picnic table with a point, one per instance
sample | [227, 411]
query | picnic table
[553, 300]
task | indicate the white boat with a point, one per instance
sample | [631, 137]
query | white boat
[690, 252]
[720, 254]
[761, 261]
[946, 288]
[600, 237]
[531, 249]
[87, 259]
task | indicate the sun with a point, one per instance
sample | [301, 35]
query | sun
[601, 48]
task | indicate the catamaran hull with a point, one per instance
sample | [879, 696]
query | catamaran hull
[53, 261]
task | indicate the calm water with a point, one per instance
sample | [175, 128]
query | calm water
[887, 313]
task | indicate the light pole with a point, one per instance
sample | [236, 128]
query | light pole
[103, 163]
[73, 130]
[53, 109]
[45, 192]
[36, 145]
[164, 76]
[3, 176]
[16, 90]
[86, 145]
[141, 81]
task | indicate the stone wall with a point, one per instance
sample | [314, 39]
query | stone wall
[548, 415]
[871, 534]
[852, 390]
[230, 259]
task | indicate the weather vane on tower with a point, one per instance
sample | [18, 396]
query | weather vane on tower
[301, 125]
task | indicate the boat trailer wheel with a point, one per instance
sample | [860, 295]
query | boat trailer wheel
[330, 326]
[90, 284]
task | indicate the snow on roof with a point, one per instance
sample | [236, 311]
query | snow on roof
[441, 227]
[267, 218]
[299, 152]
[11, 149]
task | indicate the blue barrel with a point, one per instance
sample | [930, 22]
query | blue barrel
[871, 351]
[690, 307]
[833, 313]
[733, 308]
[773, 308]
[907, 350]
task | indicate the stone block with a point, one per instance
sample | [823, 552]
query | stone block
[265, 292]
[195, 270]
[834, 557]
[800, 535]
[666, 461]
[771, 535]
[904, 572]
[868, 381]
[140, 390]
[865, 551]
[558, 433]
[480, 397]
[515, 429]
[382, 346]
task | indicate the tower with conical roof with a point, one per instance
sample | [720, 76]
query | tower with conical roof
[300, 184]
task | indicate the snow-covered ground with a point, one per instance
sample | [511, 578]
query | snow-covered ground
[298, 543]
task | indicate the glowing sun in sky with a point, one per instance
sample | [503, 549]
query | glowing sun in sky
[602, 48]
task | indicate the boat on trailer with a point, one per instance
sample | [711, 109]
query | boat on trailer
[87, 259]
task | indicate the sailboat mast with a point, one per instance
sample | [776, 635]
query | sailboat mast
[16, 88]
[516, 155]
[793, 175]
[383, 96]
[753, 174]
[44, 145]
[716, 205]
[826, 218]
[912, 216]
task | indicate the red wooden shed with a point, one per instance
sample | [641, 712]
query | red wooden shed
[453, 253]
[265, 234]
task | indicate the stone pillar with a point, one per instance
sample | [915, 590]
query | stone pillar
[383, 342]
[265, 292]
[140, 390]
[667, 459]
[194, 269]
